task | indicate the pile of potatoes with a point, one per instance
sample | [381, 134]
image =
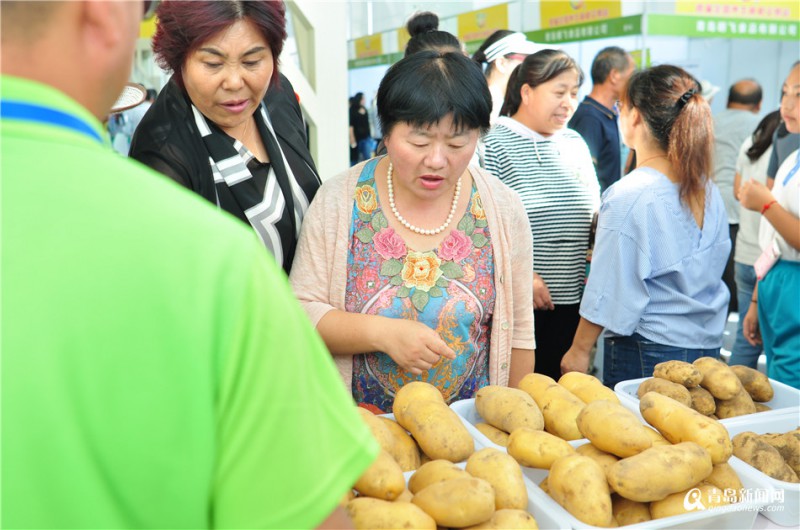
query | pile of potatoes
[427, 439]
[776, 455]
[711, 387]
[629, 472]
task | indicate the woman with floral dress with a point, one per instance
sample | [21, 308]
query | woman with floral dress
[414, 266]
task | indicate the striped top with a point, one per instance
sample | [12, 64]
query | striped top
[555, 178]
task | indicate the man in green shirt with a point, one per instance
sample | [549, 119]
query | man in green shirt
[156, 370]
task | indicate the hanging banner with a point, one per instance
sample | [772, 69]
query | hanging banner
[369, 46]
[376, 60]
[147, 28]
[616, 27]
[402, 38]
[641, 58]
[556, 13]
[731, 28]
[752, 9]
[477, 25]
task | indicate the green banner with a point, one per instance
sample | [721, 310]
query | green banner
[612, 27]
[731, 28]
[387, 58]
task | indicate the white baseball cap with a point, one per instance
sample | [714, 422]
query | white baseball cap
[514, 43]
[132, 95]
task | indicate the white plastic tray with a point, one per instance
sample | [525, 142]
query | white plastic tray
[466, 410]
[785, 399]
[786, 513]
[740, 515]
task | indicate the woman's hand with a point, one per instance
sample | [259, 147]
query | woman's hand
[750, 326]
[753, 195]
[412, 345]
[541, 294]
[575, 360]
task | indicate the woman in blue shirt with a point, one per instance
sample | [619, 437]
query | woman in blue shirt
[662, 238]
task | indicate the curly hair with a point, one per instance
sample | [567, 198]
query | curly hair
[183, 27]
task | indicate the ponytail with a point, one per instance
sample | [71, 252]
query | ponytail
[513, 97]
[678, 117]
[691, 144]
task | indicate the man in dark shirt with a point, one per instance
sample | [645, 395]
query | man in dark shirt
[596, 118]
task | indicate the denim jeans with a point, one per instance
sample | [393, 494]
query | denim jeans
[365, 148]
[743, 352]
[633, 357]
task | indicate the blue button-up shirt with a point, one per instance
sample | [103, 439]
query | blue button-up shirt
[654, 271]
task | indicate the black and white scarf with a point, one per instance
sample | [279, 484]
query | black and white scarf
[262, 204]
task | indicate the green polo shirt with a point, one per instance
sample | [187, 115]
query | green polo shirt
[156, 369]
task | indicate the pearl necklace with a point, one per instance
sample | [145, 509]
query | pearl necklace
[408, 225]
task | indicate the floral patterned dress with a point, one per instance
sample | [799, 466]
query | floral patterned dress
[450, 289]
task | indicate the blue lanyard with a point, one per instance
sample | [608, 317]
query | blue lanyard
[18, 110]
[793, 171]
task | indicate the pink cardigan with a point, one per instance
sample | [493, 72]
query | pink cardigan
[319, 271]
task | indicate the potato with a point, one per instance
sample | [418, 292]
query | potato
[656, 437]
[678, 423]
[660, 471]
[628, 512]
[432, 472]
[724, 477]
[666, 388]
[740, 405]
[537, 449]
[718, 378]
[535, 385]
[508, 408]
[508, 519]
[788, 445]
[613, 429]
[748, 446]
[438, 430]
[493, 433]
[375, 514]
[587, 387]
[379, 430]
[458, 502]
[679, 372]
[760, 407]
[544, 486]
[756, 383]
[579, 485]
[706, 495]
[383, 479]
[702, 401]
[405, 496]
[606, 460]
[406, 451]
[504, 474]
[412, 392]
[559, 406]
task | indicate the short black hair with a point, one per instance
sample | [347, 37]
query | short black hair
[607, 59]
[423, 88]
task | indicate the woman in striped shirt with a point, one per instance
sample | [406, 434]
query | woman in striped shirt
[662, 238]
[532, 151]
